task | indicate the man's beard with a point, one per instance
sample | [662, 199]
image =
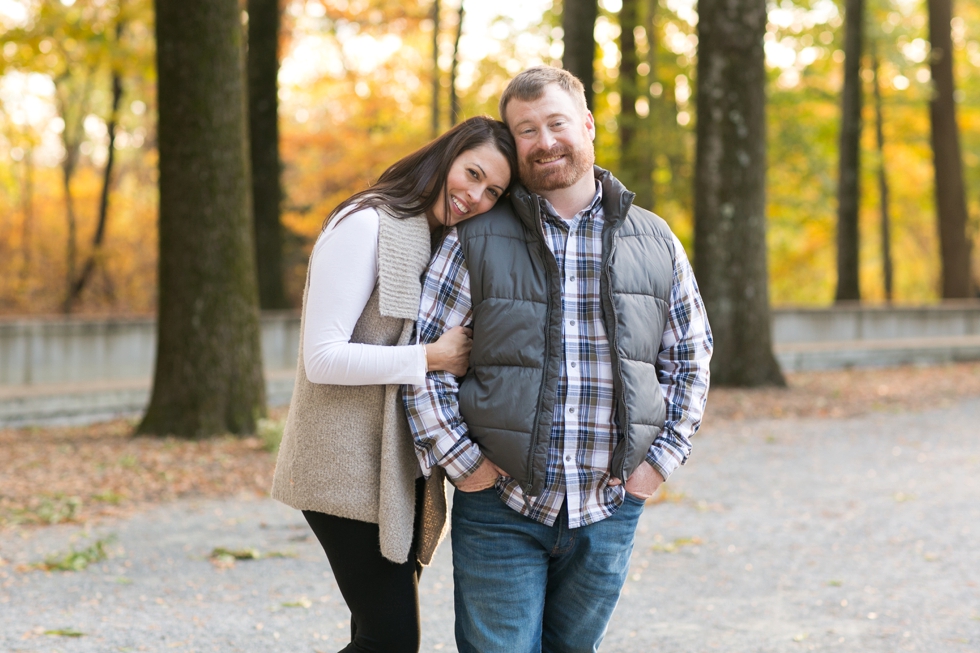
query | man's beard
[576, 164]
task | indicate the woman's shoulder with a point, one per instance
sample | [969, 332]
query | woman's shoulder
[355, 218]
[357, 225]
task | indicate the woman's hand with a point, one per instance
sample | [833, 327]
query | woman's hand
[451, 352]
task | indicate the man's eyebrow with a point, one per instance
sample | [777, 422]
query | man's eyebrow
[557, 114]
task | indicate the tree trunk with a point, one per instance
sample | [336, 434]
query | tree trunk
[578, 25]
[848, 187]
[886, 249]
[208, 377]
[27, 203]
[71, 246]
[948, 163]
[730, 190]
[654, 127]
[436, 73]
[453, 97]
[263, 105]
[634, 142]
[89, 266]
[72, 108]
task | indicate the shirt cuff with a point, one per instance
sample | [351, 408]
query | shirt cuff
[462, 460]
[421, 366]
[664, 458]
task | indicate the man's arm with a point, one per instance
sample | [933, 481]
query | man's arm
[682, 367]
[441, 435]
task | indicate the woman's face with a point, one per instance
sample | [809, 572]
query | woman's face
[477, 179]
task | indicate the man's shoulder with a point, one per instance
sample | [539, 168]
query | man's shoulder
[640, 221]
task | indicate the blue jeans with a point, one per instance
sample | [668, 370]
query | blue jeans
[523, 587]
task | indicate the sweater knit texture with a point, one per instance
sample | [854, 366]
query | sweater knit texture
[347, 450]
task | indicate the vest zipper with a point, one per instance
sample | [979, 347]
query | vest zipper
[548, 258]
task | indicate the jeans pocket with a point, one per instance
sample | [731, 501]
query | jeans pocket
[637, 501]
[492, 488]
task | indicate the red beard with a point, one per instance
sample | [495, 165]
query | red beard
[572, 168]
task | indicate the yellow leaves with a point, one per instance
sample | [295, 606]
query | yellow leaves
[676, 545]
[301, 602]
[64, 632]
[223, 558]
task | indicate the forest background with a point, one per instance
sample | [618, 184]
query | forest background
[356, 93]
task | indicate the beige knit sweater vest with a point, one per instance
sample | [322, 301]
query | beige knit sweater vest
[347, 450]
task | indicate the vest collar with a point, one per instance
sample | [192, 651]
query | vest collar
[616, 200]
[403, 254]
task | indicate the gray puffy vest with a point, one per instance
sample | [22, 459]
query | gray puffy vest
[509, 395]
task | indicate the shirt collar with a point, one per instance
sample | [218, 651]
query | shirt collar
[548, 211]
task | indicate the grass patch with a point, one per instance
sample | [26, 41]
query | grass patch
[51, 509]
[224, 558]
[110, 497]
[676, 545]
[270, 433]
[221, 553]
[75, 560]
[64, 632]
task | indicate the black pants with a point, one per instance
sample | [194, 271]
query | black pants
[382, 596]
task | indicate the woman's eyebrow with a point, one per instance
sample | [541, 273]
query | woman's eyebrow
[477, 165]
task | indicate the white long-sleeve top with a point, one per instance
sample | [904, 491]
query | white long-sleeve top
[343, 274]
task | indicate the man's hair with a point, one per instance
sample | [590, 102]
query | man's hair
[530, 84]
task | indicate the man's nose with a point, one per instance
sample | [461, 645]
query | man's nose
[546, 140]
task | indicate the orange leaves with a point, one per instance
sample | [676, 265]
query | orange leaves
[73, 474]
[847, 393]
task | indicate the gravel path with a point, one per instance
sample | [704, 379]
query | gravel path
[782, 535]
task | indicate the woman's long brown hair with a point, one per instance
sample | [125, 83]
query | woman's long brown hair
[412, 185]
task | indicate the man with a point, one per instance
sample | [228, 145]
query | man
[589, 366]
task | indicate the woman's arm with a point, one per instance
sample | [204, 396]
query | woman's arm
[343, 274]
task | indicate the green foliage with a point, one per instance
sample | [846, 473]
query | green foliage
[221, 553]
[64, 632]
[270, 433]
[224, 557]
[355, 96]
[75, 560]
[46, 509]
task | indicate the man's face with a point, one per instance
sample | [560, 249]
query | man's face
[554, 139]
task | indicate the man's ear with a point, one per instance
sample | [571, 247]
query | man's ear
[590, 124]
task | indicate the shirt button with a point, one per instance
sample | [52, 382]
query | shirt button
[573, 364]
[571, 278]
[568, 458]
[571, 410]
[571, 322]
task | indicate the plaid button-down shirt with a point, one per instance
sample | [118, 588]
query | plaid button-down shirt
[584, 432]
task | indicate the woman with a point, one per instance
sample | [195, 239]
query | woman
[347, 459]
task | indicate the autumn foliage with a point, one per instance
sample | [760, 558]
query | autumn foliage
[355, 94]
